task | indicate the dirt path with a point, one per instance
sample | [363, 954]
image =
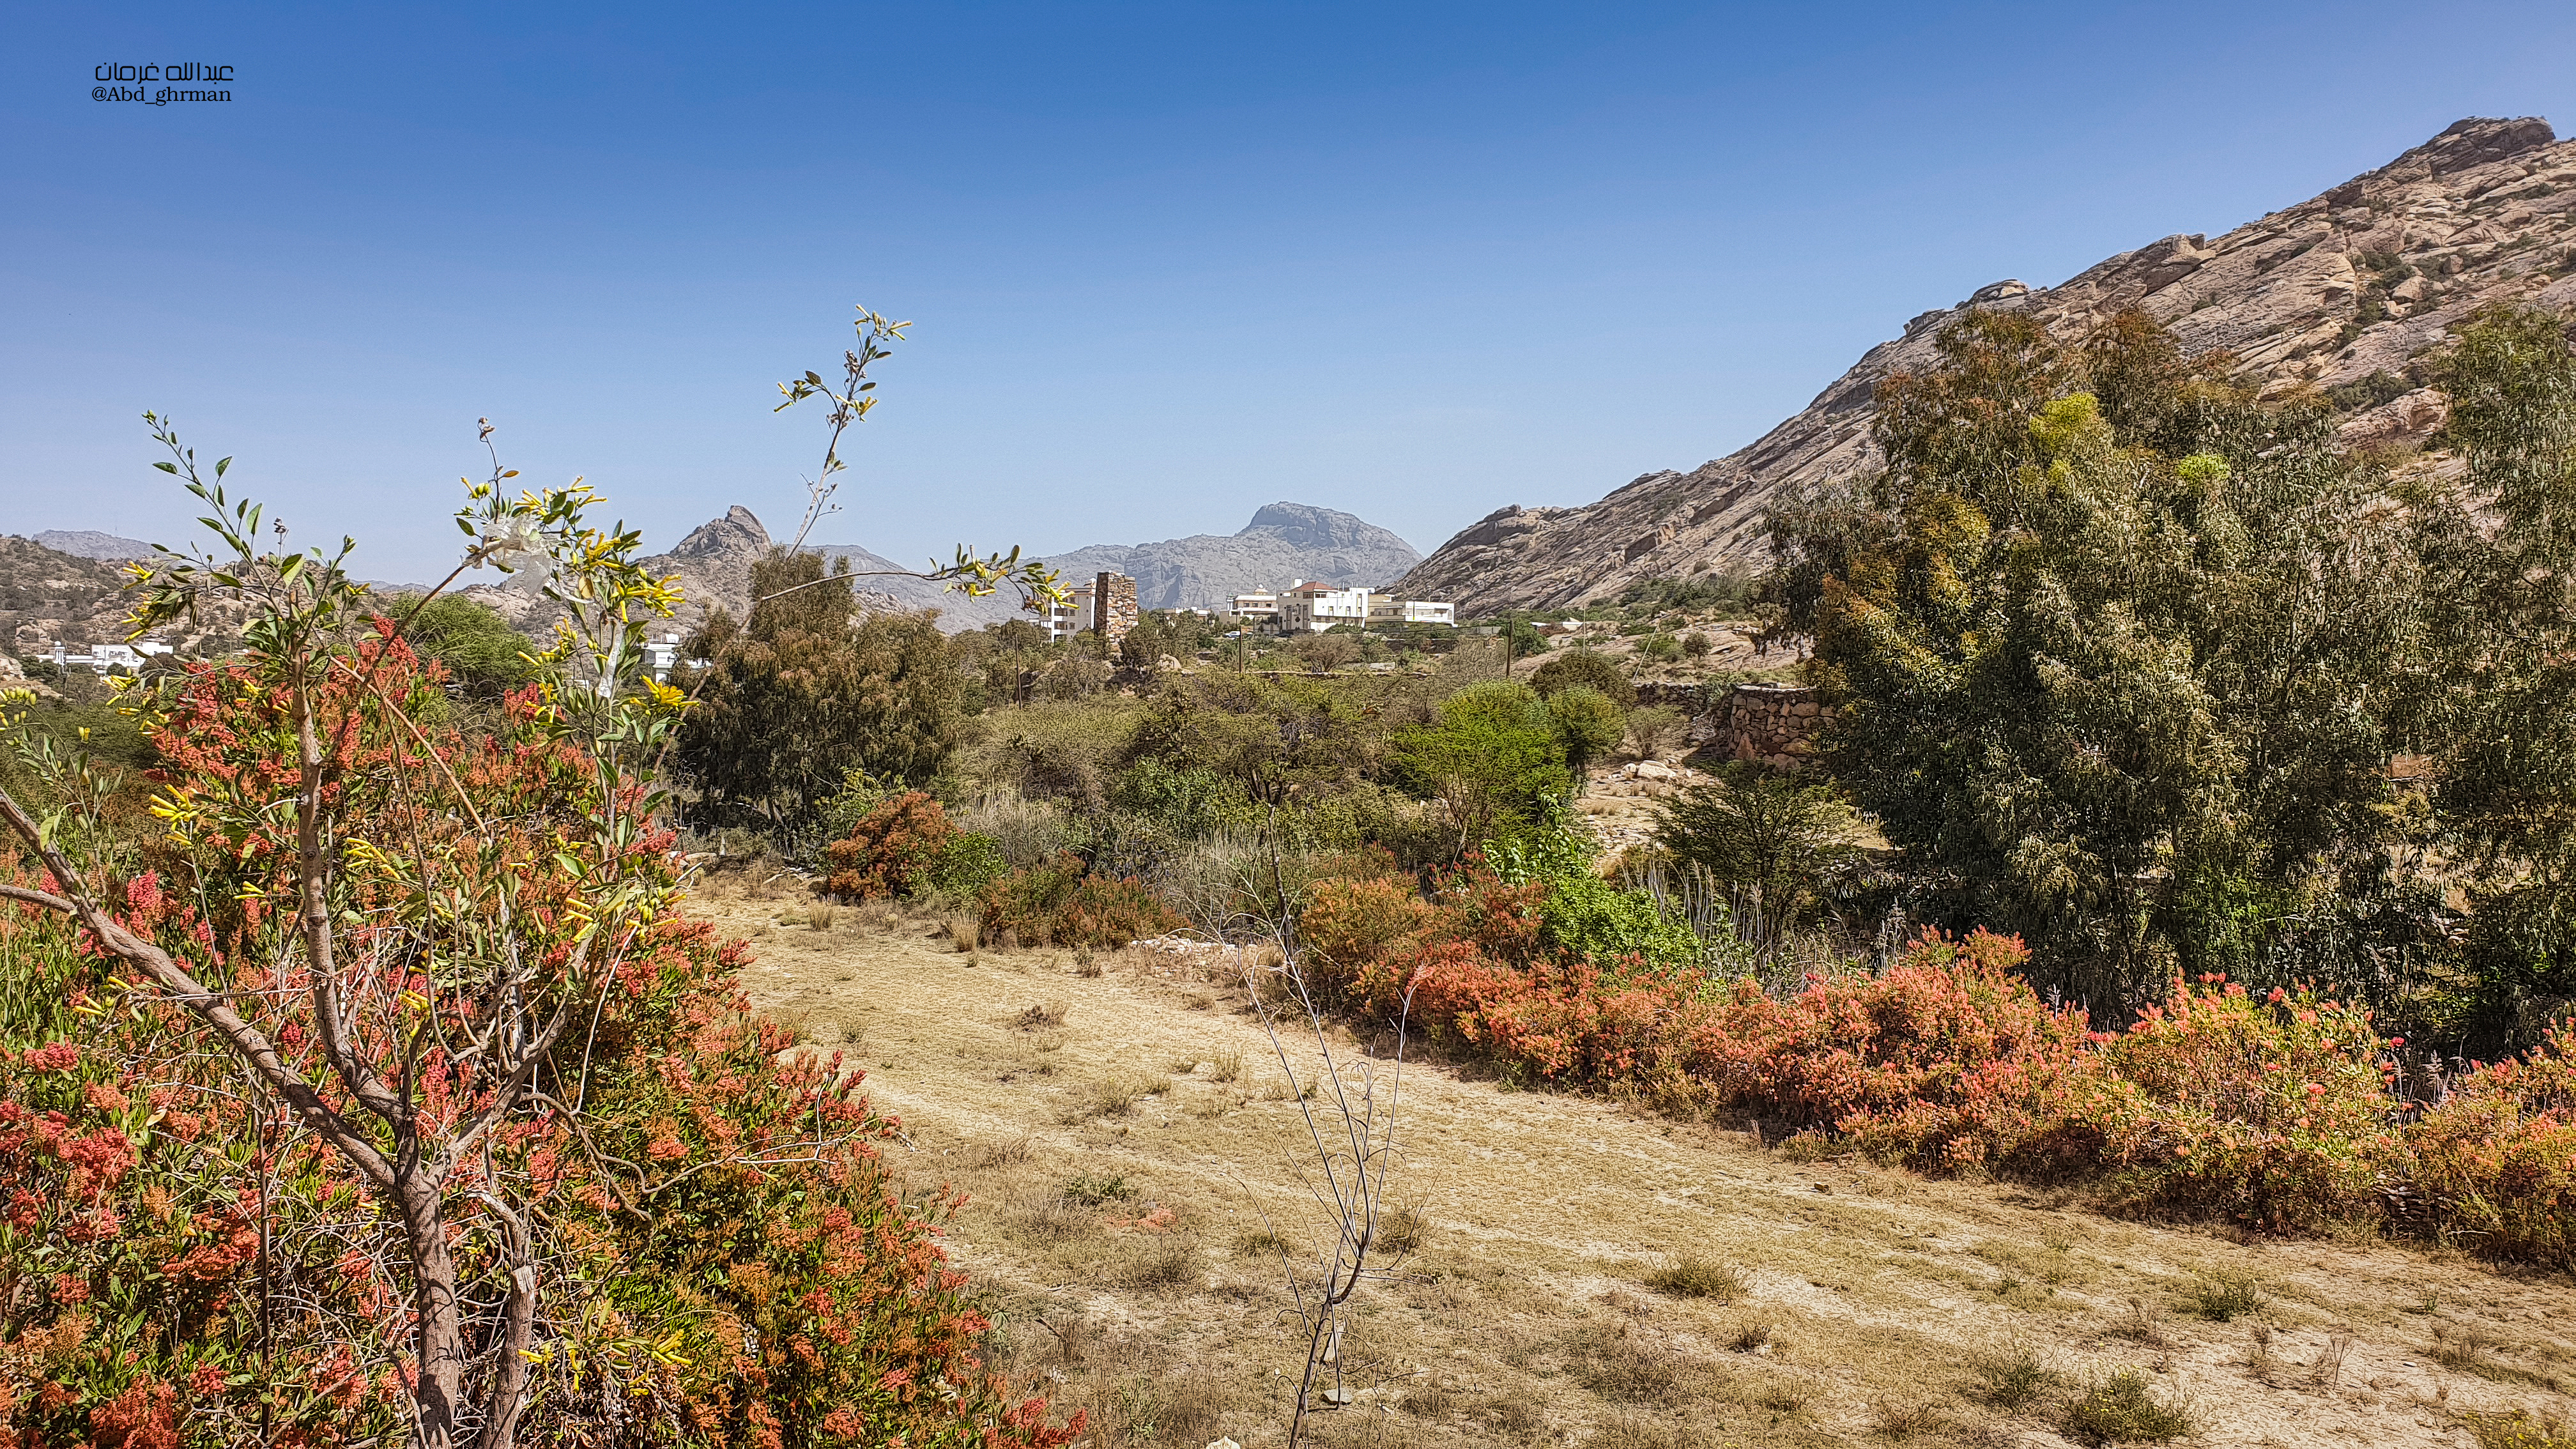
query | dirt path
[1122, 1135]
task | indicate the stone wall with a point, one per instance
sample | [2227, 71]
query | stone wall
[1773, 723]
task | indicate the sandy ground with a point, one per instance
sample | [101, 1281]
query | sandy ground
[1118, 1186]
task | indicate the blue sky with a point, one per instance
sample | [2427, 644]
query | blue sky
[1166, 263]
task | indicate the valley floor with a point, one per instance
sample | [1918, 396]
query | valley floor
[1864, 1303]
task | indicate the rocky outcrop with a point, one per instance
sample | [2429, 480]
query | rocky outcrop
[2362, 280]
[714, 562]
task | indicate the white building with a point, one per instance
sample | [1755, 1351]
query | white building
[660, 655]
[1388, 609]
[1067, 619]
[1313, 608]
[1258, 607]
[104, 657]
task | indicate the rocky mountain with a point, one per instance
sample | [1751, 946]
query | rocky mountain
[1283, 542]
[2341, 292]
[90, 543]
[48, 593]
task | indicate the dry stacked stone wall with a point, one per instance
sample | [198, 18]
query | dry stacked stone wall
[1775, 724]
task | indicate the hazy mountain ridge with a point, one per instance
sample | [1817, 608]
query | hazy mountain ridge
[2364, 278]
[92, 544]
[1283, 542]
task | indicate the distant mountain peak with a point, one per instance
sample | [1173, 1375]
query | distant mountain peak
[90, 543]
[1308, 526]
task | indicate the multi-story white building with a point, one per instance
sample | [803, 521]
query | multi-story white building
[1258, 607]
[1388, 609]
[1313, 608]
[1067, 619]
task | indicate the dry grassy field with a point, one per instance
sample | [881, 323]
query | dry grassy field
[1582, 1272]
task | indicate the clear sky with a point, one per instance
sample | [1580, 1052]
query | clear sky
[1166, 263]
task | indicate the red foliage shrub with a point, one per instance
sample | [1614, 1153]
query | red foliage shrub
[2497, 1162]
[1061, 904]
[2275, 1113]
[891, 848]
[2272, 1112]
[727, 1261]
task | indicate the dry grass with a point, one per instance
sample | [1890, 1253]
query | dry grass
[2327, 1371]
[1403, 1231]
[1628, 1367]
[1638, 1431]
[1513, 1320]
[1688, 1274]
[2144, 1322]
[2011, 1375]
[1162, 1264]
[1041, 1016]
[2123, 1408]
[1906, 1418]
[1112, 1096]
[2224, 1296]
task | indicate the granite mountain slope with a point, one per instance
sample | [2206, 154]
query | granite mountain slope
[2343, 292]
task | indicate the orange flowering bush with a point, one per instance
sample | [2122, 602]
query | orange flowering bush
[713, 1250]
[2497, 1162]
[2276, 1112]
[891, 849]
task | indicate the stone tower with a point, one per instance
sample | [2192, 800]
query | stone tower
[1113, 606]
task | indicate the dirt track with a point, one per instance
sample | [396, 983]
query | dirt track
[1525, 1317]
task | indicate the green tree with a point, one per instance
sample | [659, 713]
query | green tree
[1777, 843]
[1271, 740]
[1492, 759]
[1523, 638]
[802, 694]
[1586, 667]
[483, 654]
[1588, 723]
[2121, 670]
[2506, 615]
[1144, 645]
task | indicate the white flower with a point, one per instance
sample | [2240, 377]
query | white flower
[512, 543]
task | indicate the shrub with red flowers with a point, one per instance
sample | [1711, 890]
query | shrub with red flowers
[2275, 1112]
[2497, 1161]
[384, 1093]
[892, 849]
[1060, 903]
[2272, 1111]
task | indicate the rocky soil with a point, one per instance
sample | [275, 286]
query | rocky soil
[2364, 279]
